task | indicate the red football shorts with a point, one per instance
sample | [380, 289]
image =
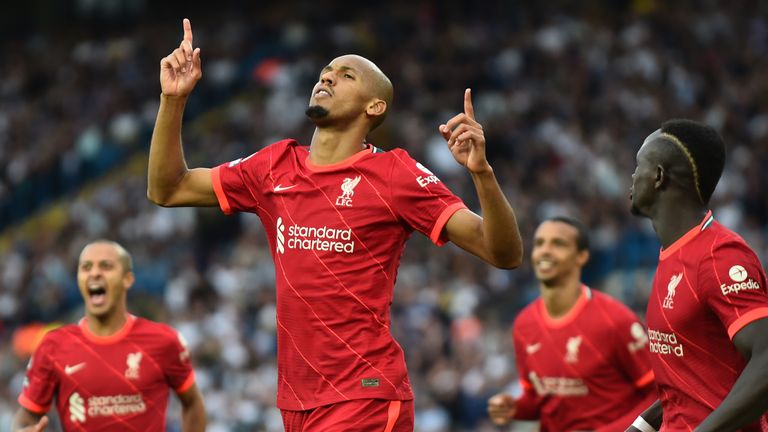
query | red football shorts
[360, 415]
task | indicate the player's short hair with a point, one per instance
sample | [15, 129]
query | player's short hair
[704, 149]
[125, 257]
[383, 90]
[582, 234]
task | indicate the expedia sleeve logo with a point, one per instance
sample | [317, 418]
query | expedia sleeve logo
[741, 281]
[429, 178]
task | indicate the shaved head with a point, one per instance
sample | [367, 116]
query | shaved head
[380, 85]
[692, 153]
[125, 258]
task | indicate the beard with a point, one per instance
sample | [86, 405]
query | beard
[316, 113]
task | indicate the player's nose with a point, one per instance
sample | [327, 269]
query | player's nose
[328, 78]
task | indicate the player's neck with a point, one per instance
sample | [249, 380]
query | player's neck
[560, 299]
[672, 222]
[107, 325]
[330, 146]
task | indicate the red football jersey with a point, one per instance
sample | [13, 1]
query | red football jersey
[115, 383]
[588, 370]
[709, 284]
[337, 234]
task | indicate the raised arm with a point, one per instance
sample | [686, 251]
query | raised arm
[170, 182]
[494, 237]
[748, 399]
[27, 421]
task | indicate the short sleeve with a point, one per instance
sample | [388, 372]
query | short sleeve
[41, 380]
[239, 184]
[732, 283]
[631, 349]
[177, 365]
[421, 199]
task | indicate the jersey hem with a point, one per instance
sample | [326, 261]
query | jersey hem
[294, 405]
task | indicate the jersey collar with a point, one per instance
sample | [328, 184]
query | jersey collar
[687, 237]
[584, 297]
[343, 164]
[106, 340]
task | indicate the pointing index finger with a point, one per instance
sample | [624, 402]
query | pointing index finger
[468, 109]
[187, 30]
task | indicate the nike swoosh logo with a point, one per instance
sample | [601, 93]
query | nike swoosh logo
[280, 188]
[69, 370]
[532, 348]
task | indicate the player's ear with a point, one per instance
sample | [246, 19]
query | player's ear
[376, 108]
[583, 257]
[660, 178]
[128, 279]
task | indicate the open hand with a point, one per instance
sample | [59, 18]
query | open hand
[180, 70]
[38, 427]
[466, 139]
[501, 408]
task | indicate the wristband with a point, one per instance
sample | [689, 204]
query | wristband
[642, 425]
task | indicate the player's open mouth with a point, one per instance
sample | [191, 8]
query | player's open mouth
[545, 265]
[322, 93]
[97, 295]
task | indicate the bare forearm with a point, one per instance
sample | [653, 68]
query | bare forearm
[747, 400]
[501, 235]
[193, 417]
[166, 157]
[26, 421]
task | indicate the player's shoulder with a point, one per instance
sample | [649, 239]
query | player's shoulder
[283, 147]
[725, 240]
[604, 299]
[61, 334]
[527, 317]
[287, 143]
[400, 155]
[162, 330]
[610, 303]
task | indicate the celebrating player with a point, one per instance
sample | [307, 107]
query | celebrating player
[337, 214]
[581, 355]
[708, 306]
[112, 370]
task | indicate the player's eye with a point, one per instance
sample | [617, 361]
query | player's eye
[349, 76]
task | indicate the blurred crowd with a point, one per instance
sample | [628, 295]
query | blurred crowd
[566, 94]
